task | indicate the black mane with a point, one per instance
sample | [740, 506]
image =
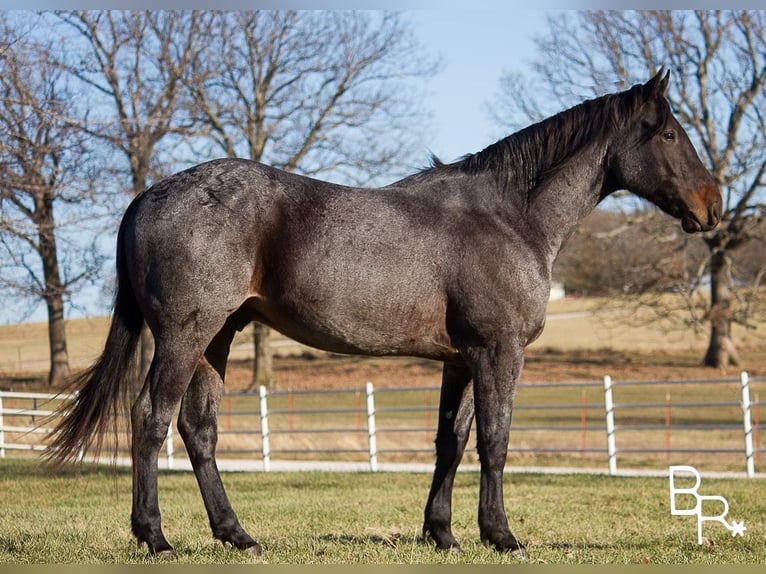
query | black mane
[525, 158]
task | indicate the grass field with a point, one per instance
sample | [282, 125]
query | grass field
[337, 518]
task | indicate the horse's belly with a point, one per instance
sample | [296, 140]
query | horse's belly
[355, 324]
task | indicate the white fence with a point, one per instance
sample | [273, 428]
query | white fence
[399, 423]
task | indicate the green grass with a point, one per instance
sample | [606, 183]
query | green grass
[336, 518]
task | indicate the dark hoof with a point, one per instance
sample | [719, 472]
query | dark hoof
[453, 548]
[243, 544]
[508, 546]
[246, 545]
[162, 551]
[443, 542]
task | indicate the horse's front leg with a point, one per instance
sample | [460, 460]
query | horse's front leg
[455, 416]
[496, 369]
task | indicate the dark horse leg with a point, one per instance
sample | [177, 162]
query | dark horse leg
[171, 370]
[455, 416]
[496, 371]
[198, 425]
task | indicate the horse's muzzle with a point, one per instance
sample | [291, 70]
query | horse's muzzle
[706, 214]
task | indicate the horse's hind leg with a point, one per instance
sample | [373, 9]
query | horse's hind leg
[169, 375]
[455, 416]
[198, 425]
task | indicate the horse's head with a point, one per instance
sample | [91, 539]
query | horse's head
[655, 159]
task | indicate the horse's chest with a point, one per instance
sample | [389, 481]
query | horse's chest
[501, 296]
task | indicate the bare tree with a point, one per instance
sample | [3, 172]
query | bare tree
[718, 65]
[133, 63]
[41, 157]
[332, 93]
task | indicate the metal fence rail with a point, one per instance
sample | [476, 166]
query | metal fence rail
[350, 422]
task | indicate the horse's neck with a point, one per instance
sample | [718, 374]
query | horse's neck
[561, 202]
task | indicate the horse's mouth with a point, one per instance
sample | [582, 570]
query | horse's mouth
[691, 224]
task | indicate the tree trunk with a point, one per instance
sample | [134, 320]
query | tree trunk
[262, 367]
[59, 370]
[54, 290]
[721, 351]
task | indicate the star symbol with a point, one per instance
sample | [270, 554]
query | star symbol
[737, 528]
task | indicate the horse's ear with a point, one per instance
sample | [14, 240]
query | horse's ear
[656, 87]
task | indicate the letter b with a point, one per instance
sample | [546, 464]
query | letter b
[693, 491]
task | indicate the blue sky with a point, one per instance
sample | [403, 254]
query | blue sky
[476, 47]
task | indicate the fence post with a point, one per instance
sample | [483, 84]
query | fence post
[169, 445]
[264, 408]
[611, 447]
[2, 429]
[747, 423]
[371, 427]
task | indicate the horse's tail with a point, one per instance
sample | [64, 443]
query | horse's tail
[102, 390]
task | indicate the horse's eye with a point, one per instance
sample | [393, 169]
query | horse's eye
[669, 136]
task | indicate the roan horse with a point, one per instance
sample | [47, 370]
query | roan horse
[452, 263]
